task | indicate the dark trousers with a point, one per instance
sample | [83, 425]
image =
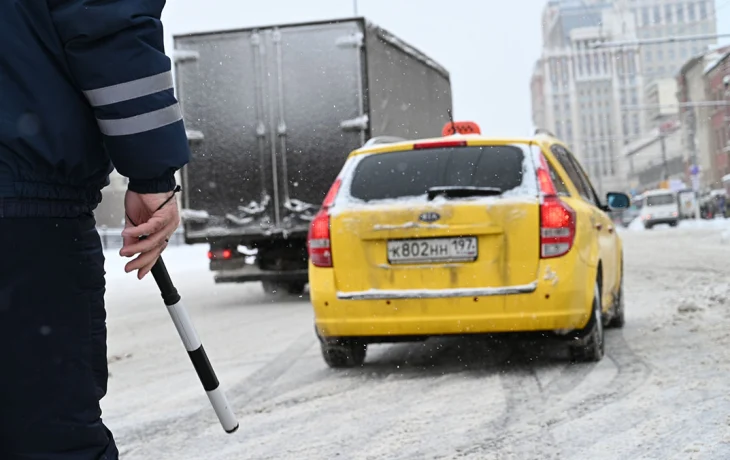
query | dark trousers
[53, 367]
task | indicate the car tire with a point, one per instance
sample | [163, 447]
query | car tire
[648, 226]
[618, 319]
[673, 224]
[344, 354]
[592, 346]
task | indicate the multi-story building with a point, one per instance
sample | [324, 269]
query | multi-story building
[659, 19]
[661, 99]
[537, 86]
[657, 158]
[717, 75]
[599, 109]
[699, 133]
[584, 88]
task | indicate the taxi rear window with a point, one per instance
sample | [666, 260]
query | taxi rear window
[411, 173]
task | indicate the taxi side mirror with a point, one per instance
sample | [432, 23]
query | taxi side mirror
[617, 200]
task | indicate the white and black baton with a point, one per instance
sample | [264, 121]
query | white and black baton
[192, 342]
[194, 347]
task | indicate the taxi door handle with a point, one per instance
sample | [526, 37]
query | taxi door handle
[598, 226]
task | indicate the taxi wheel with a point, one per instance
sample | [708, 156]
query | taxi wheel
[591, 347]
[344, 353]
[618, 319]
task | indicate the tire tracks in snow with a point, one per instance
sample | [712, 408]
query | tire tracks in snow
[192, 423]
[528, 425]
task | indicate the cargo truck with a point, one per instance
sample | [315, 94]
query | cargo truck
[272, 113]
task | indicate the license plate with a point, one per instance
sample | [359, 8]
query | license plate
[461, 249]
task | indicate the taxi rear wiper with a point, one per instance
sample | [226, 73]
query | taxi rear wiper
[462, 191]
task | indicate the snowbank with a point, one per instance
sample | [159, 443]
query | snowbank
[690, 224]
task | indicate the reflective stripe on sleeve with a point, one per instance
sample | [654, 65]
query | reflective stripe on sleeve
[129, 90]
[141, 123]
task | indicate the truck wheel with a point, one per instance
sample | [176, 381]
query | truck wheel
[591, 347]
[344, 354]
[295, 287]
[283, 288]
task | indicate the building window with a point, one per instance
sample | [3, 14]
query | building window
[671, 53]
[680, 13]
[691, 11]
[668, 14]
[657, 14]
[703, 10]
[645, 20]
[648, 56]
[631, 63]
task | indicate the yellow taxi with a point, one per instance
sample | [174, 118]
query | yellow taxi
[464, 234]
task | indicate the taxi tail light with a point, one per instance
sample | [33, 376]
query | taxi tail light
[557, 227]
[319, 246]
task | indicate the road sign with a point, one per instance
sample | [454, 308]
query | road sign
[694, 170]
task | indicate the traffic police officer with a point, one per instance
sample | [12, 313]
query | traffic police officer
[85, 86]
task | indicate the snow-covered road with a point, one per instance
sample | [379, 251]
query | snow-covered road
[660, 393]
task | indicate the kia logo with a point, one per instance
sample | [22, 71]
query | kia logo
[429, 217]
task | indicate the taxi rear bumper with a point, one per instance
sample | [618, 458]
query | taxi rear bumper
[384, 294]
[543, 305]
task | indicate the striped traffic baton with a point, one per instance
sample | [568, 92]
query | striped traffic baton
[194, 347]
[190, 339]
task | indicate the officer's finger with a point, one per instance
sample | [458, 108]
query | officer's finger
[156, 223]
[146, 269]
[143, 245]
[143, 260]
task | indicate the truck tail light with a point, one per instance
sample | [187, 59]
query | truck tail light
[557, 227]
[319, 245]
[225, 254]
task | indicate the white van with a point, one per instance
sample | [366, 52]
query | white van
[659, 207]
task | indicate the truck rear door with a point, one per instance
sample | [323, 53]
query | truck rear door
[229, 175]
[278, 108]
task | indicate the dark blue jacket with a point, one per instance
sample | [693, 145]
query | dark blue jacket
[84, 84]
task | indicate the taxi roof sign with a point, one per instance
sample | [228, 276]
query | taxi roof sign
[460, 127]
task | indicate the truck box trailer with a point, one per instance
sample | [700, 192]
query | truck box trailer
[272, 113]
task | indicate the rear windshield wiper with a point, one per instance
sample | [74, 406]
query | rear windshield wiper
[459, 191]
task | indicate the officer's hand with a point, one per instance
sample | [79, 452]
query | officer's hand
[157, 226]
